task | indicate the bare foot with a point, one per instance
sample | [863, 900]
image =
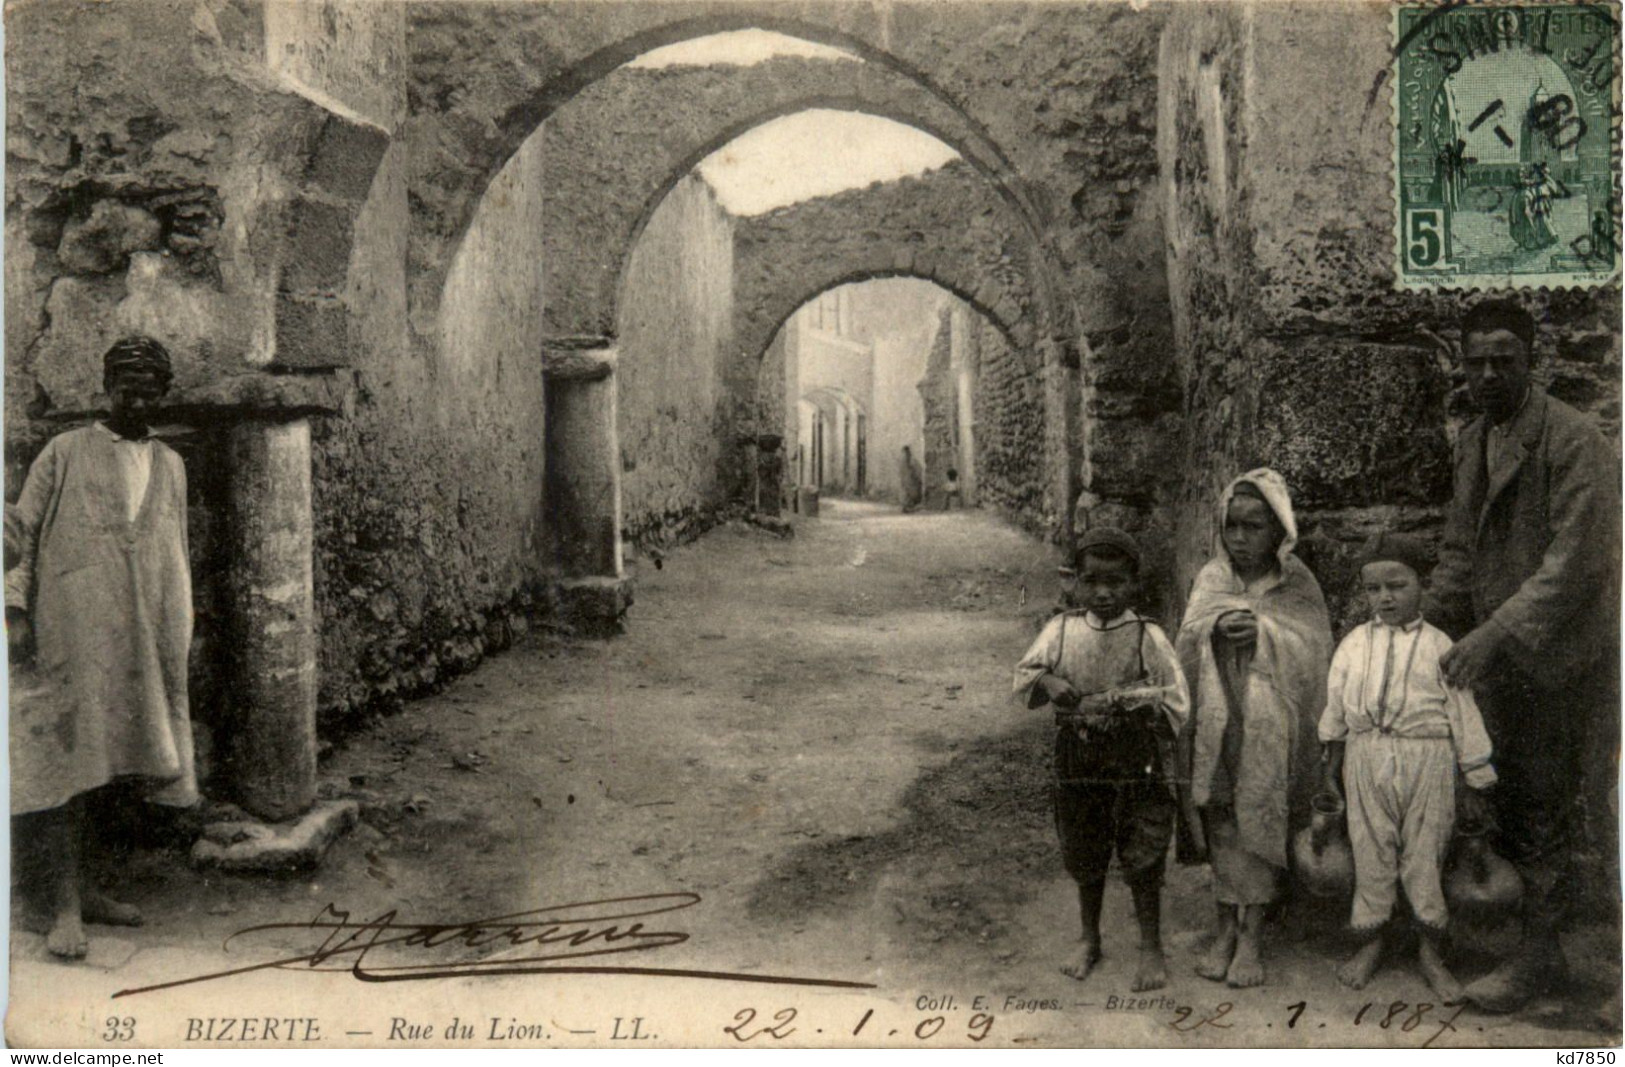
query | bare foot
[1152, 972]
[98, 907]
[1215, 962]
[1087, 957]
[1246, 966]
[1357, 970]
[67, 938]
[1443, 983]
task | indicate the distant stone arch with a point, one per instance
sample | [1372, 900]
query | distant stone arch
[944, 227]
[450, 182]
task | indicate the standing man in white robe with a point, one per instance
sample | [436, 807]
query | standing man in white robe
[100, 604]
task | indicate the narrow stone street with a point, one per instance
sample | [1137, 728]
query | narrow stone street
[815, 736]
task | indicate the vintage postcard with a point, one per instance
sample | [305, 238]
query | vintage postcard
[746, 524]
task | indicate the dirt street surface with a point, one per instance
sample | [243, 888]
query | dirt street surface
[816, 736]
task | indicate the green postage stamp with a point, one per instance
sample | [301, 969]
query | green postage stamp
[1506, 153]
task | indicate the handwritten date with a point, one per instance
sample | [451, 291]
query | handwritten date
[1435, 1020]
[746, 1027]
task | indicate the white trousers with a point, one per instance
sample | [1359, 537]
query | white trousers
[1401, 800]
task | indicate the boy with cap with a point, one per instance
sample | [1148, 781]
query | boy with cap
[1120, 700]
[100, 601]
[1394, 732]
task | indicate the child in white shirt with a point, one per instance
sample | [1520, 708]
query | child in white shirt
[1395, 734]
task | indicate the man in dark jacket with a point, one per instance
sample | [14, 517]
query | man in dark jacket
[1528, 573]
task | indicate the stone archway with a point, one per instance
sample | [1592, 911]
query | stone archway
[944, 227]
[601, 217]
[680, 117]
[1090, 270]
[480, 106]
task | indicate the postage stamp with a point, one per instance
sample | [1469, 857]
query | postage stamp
[1506, 154]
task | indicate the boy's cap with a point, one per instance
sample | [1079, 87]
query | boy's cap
[1389, 547]
[1105, 537]
[138, 355]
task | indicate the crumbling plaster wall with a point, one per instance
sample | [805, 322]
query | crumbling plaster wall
[675, 331]
[161, 174]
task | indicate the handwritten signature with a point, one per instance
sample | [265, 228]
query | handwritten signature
[546, 936]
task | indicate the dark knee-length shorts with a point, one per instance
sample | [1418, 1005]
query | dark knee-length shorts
[1097, 819]
[1109, 800]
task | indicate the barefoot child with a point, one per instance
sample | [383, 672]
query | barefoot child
[101, 602]
[1254, 646]
[1394, 734]
[1119, 703]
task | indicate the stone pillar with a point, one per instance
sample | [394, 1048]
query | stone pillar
[769, 474]
[274, 750]
[583, 462]
[584, 486]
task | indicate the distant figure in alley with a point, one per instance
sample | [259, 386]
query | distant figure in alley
[910, 481]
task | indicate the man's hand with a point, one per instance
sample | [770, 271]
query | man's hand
[1475, 807]
[1059, 691]
[1468, 661]
[19, 635]
[1238, 627]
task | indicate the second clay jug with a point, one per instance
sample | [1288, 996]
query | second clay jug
[1321, 852]
[1481, 884]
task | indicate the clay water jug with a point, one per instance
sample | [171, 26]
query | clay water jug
[1321, 852]
[1481, 886]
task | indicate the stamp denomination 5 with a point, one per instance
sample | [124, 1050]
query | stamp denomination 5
[1506, 167]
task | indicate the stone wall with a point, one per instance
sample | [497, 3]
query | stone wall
[350, 55]
[939, 401]
[431, 533]
[1010, 429]
[157, 165]
[676, 116]
[199, 172]
[676, 317]
[946, 227]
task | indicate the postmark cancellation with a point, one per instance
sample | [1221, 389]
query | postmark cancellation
[1506, 153]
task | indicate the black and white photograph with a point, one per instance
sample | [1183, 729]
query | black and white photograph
[566, 524]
